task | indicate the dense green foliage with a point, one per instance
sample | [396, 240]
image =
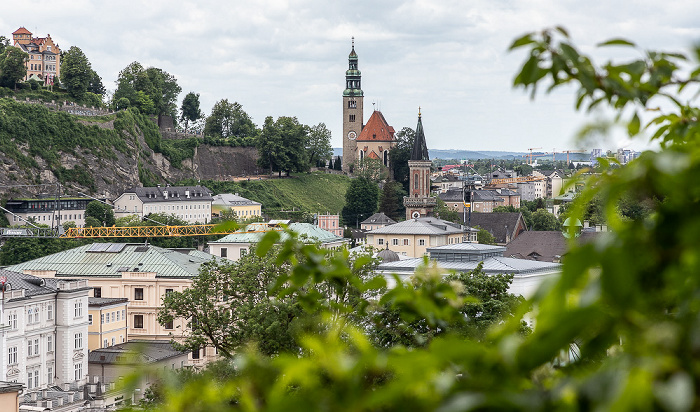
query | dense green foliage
[12, 67]
[282, 145]
[400, 154]
[318, 144]
[189, 110]
[151, 90]
[391, 201]
[76, 72]
[229, 121]
[360, 201]
[102, 213]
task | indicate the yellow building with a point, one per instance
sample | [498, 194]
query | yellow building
[44, 55]
[244, 208]
[108, 322]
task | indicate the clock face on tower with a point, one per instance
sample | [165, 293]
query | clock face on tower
[352, 135]
[415, 214]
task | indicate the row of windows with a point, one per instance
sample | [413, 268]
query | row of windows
[105, 343]
[396, 242]
[45, 218]
[224, 252]
[138, 323]
[109, 317]
[32, 349]
[161, 208]
[352, 104]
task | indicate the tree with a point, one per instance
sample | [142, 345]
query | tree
[338, 165]
[12, 66]
[230, 305]
[102, 213]
[152, 90]
[282, 145]
[443, 212]
[95, 85]
[543, 220]
[391, 203]
[229, 120]
[318, 146]
[372, 169]
[485, 237]
[4, 42]
[400, 154]
[76, 73]
[189, 110]
[360, 201]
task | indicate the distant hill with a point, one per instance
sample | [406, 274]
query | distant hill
[482, 154]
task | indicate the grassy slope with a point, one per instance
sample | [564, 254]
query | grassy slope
[310, 192]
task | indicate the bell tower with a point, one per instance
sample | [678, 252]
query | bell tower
[352, 109]
[419, 203]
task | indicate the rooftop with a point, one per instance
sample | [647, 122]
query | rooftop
[111, 259]
[228, 199]
[378, 219]
[420, 226]
[136, 352]
[171, 193]
[255, 231]
[376, 129]
[98, 302]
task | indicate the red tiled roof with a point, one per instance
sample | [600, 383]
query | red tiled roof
[39, 40]
[376, 129]
[373, 155]
[22, 30]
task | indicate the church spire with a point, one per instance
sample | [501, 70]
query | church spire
[353, 76]
[420, 147]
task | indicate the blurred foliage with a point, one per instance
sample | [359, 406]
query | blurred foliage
[628, 301]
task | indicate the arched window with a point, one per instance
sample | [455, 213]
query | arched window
[386, 158]
[415, 181]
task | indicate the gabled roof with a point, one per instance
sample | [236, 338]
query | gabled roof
[32, 285]
[111, 259]
[545, 246]
[378, 218]
[491, 265]
[420, 226]
[135, 352]
[175, 193]
[373, 155]
[229, 199]
[255, 231]
[496, 224]
[21, 30]
[376, 129]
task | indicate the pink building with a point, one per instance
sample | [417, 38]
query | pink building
[330, 223]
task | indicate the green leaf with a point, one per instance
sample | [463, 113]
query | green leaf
[617, 42]
[633, 125]
[522, 41]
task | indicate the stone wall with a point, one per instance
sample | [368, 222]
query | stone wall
[69, 107]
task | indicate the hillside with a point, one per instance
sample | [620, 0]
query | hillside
[102, 155]
[307, 193]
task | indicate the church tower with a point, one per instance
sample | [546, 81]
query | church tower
[352, 110]
[419, 203]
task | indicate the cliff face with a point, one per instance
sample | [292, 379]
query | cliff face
[101, 157]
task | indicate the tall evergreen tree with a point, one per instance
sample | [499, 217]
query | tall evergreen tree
[76, 72]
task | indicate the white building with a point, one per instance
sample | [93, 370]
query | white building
[189, 203]
[44, 337]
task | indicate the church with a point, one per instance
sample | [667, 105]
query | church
[372, 140]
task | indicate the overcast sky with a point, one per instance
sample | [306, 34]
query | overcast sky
[288, 58]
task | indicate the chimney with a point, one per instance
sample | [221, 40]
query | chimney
[165, 194]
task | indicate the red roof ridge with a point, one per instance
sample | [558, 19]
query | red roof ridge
[376, 129]
[22, 30]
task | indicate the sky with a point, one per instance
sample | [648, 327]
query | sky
[288, 58]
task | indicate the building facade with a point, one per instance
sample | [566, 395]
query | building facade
[244, 208]
[44, 55]
[353, 100]
[49, 211]
[107, 320]
[192, 204]
[419, 203]
[44, 338]
[375, 140]
[376, 221]
[330, 223]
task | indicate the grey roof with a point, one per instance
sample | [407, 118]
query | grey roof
[486, 196]
[452, 194]
[455, 194]
[85, 261]
[387, 255]
[496, 224]
[255, 231]
[157, 194]
[420, 226]
[492, 265]
[96, 302]
[229, 199]
[379, 219]
[466, 247]
[544, 246]
[32, 285]
[135, 352]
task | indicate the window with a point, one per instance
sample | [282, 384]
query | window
[49, 312]
[97, 292]
[12, 355]
[138, 293]
[36, 346]
[78, 309]
[30, 315]
[30, 381]
[406, 242]
[352, 117]
[114, 341]
[49, 343]
[124, 314]
[195, 354]
[395, 242]
[168, 291]
[78, 371]
[102, 318]
[421, 242]
[121, 338]
[78, 340]
[105, 343]
[90, 320]
[224, 252]
[138, 321]
[49, 375]
[29, 347]
[36, 378]
[244, 252]
[12, 320]
[380, 241]
[118, 312]
[169, 325]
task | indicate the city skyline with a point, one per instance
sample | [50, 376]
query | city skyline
[289, 59]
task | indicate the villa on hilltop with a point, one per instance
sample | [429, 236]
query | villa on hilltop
[44, 61]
